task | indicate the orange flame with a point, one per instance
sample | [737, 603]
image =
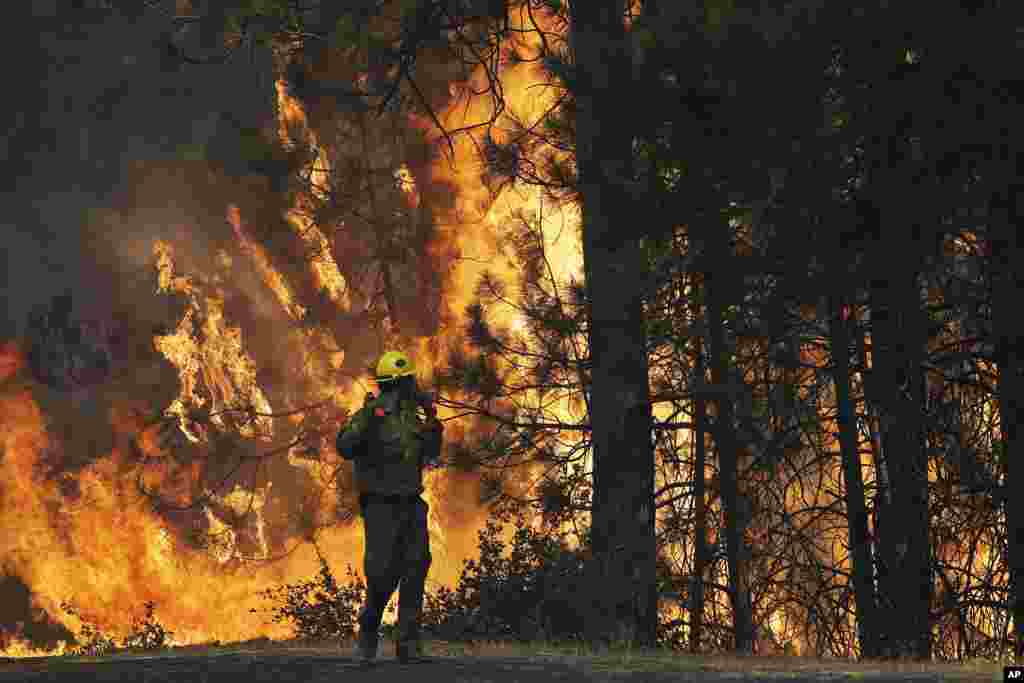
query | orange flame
[108, 551]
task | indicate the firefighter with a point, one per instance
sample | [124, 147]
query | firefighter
[390, 443]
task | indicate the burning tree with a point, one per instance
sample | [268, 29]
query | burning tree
[769, 289]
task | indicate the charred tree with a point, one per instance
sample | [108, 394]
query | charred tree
[700, 533]
[904, 562]
[853, 483]
[1005, 251]
[881, 84]
[717, 282]
[623, 565]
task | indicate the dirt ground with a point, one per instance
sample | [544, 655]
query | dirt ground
[322, 666]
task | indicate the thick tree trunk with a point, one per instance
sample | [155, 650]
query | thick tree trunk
[856, 509]
[718, 288]
[905, 578]
[1007, 328]
[700, 531]
[622, 570]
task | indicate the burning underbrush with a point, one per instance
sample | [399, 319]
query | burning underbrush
[146, 634]
[127, 528]
[179, 455]
[528, 591]
[141, 465]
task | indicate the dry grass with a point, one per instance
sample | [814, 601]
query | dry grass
[630, 660]
[616, 660]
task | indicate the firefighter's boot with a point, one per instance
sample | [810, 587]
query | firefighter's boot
[366, 649]
[410, 652]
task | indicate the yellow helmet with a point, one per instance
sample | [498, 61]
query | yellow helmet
[392, 365]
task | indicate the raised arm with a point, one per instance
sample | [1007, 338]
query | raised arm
[353, 436]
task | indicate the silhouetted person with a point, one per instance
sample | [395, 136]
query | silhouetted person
[390, 443]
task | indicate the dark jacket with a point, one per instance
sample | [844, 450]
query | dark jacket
[389, 444]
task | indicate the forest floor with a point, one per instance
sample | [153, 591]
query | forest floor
[256, 662]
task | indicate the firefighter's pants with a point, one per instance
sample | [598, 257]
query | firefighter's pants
[397, 552]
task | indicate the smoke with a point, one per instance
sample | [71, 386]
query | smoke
[94, 97]
[31, 623]
[102, 158]
[236, 311]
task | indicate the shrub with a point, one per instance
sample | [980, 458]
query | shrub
[146, 634]
[532, 589]
[533, 592]
[319, 608]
